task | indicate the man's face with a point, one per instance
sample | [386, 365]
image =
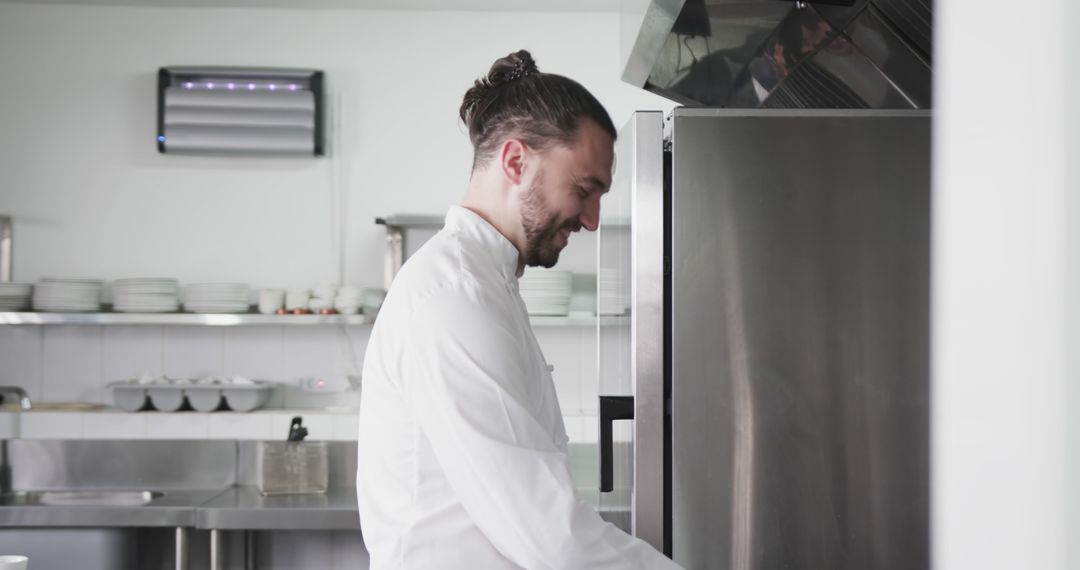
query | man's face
[565, 193]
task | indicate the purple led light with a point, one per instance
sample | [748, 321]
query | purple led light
[210, 85]
[273, 87]
[292, 87]
[231, 86]
[251, 86]
[189, 85]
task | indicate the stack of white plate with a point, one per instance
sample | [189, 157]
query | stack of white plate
[546, 291]
[157, 295]
[613, 292]
[15, 296]
[67, 295]
[216, 298]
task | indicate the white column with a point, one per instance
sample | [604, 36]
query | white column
[1003, 258]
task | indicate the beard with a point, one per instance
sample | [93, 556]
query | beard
[541, 228]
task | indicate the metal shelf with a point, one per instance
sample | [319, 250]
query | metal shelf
[590, 321]
[435, 221]
[198, 319]
[31, 318]
[397, 224]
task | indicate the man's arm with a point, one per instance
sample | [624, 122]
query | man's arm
[466, 375]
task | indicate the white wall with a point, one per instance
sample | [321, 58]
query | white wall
[1006, 263]
[91, 196]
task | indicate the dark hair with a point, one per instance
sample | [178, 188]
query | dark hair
[516, 99]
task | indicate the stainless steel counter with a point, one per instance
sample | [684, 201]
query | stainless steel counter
[205, 485]
[242, 507]
[172, 509]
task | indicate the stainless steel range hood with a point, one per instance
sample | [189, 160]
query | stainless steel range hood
[785, 54]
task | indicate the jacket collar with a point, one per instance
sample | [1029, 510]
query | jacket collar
[470, 223]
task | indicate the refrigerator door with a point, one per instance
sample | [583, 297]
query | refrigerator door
[800, 327]
[630, 295]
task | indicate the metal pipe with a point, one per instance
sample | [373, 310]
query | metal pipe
[6, 248]
[249, 550]
[181, 548]
[216, 555]
[395, 254]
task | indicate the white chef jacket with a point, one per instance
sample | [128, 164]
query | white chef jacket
[462, 449]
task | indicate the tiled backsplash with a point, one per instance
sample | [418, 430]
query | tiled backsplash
[74, 363]
[257, 425]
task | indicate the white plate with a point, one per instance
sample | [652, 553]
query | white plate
[217, 287]
[54, 280]
[146, 309]
[145, 290]
[145, 280]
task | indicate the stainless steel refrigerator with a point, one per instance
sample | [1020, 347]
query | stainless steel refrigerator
[774, 348]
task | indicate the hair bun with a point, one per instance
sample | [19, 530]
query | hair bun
[506, 69]
[514, 66]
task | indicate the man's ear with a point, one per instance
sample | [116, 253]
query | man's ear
[512, 161]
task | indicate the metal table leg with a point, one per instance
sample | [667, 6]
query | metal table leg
[181, 548]
[395, 254]
[217, 555]
[249, 550]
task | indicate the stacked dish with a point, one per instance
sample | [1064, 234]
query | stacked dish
[15, 296]
[614, 297]
[546, 291]
[216, 298]
[67, 295]
[145, 295]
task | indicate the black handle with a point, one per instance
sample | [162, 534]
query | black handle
[611, 408]
[297, 432]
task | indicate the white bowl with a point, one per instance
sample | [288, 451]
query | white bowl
[166, 399]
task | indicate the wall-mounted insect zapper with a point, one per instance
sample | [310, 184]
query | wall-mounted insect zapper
[240, 111]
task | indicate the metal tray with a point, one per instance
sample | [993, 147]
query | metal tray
[200, 397]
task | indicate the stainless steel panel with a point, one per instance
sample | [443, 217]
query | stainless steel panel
[904, 65]
[47, 465]
[79, 548]
[659, 18]
[733, 53]
[800, 340]
[647, 325]
[631, 357]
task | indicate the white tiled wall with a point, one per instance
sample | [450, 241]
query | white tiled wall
[20, 358]
[257, 425]
[71, 356]
[111, 425]
[74, 363]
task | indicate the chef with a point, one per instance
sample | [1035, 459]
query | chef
[462, 449]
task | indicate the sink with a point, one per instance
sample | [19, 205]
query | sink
[78, 498]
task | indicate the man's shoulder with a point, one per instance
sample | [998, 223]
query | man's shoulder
[442, 270]
[449, 264]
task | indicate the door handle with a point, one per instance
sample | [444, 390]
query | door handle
[611, 408]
